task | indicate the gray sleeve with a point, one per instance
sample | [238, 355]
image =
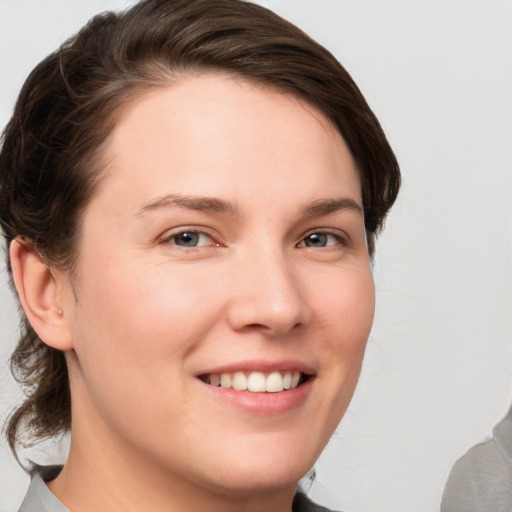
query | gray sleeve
[481, 481]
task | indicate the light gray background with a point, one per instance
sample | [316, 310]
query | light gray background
[438, 370]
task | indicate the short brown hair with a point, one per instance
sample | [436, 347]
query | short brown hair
[49, 166]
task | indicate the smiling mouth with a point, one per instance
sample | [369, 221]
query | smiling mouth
[257, 382]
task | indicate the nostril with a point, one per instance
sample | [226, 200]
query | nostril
[273, 328]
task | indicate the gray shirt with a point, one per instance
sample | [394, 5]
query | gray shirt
[481, 481]
[40, 499]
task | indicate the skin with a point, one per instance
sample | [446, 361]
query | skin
[147, 315]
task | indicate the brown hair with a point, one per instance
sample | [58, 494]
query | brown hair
[49, 160]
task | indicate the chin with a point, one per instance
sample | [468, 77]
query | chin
[257, 473]
[259, 481]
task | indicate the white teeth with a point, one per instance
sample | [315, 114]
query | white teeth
[274, 383]
[255, 382]
[225, 380]
[239, 381]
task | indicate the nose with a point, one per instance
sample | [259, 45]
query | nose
[267, 296]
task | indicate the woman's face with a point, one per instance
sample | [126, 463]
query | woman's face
[226, 244]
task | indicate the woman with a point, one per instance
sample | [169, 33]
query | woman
[190, 194]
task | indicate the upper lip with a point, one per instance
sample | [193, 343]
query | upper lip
[261, 366]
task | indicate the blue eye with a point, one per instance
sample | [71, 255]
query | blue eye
[191, 239]
[320, 240]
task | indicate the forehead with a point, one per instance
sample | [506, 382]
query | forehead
[229, 97]
[218, 130]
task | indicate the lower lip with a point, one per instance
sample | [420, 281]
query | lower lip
[263, 403]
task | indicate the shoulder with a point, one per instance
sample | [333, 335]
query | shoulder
[481, 480]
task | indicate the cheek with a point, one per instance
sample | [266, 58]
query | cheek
[133, 331]
[358, 309]
[347, 321]
[344, 320]
[135, 303]
[349, 304]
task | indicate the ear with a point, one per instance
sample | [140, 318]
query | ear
[40, 290]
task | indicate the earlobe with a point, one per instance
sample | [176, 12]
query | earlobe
[40, 290]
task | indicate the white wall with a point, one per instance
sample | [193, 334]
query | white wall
[438, 371]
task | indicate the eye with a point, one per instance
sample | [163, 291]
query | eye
[320, 239]
[190, 238]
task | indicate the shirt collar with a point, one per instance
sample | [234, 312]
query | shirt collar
[39, 498]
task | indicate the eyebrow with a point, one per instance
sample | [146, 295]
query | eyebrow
[216, 205]
[326, 206]
[199, 203]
